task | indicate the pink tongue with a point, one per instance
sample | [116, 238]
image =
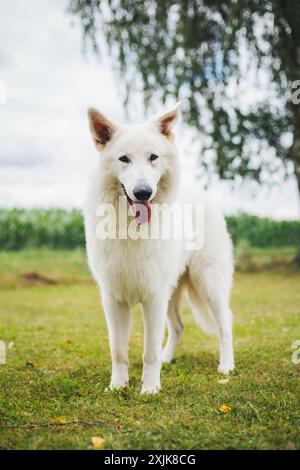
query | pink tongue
[142, 212]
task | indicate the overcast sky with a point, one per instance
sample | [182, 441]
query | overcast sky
[46, 153]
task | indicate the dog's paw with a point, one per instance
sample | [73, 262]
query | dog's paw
[166, 357]
[150, 389]
[117, 385]
[225, 368]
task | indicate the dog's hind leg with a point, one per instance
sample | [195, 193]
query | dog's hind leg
[175, 325]
[211, 291]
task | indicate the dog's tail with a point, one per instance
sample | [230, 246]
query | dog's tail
[202, 313]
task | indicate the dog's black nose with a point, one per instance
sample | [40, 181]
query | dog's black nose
[142, 192]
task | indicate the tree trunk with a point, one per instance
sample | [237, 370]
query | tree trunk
[295, 149]
[295, 154]
[297, 257]
[297, 174]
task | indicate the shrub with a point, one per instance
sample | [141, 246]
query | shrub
[263, 232]
[58, 228]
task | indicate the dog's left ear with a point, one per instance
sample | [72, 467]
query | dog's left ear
[166, 122]
[101, 128]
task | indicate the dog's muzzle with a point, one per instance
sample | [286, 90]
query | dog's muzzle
[141, 207]
[142, 192]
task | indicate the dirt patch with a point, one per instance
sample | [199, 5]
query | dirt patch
[38, 278]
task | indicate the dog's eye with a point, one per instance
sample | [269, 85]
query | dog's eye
[153, 157]
[124, 159]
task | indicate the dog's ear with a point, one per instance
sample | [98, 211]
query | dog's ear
[166, 122]
[101, 128]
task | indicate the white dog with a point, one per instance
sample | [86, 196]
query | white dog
[139, 162]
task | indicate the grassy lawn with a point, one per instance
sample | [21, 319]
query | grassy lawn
[58, 366]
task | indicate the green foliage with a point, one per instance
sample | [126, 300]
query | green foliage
[58, 228]
[263, 232]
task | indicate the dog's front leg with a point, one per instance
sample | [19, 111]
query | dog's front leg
[118, 321]
[155, 313]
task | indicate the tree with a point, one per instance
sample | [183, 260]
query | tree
[198, 47]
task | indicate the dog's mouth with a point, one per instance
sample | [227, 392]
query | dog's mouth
[141, 209]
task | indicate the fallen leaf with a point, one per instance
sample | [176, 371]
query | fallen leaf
[58, 420]
[290, 446]
[98, 443]
[225, 408]
[223, 381]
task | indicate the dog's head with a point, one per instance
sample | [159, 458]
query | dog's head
[140, 159]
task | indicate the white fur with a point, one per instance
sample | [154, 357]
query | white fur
[155, 273]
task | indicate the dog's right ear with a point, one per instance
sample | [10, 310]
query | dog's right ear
[101, 128]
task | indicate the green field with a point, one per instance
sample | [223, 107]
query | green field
[58, 365]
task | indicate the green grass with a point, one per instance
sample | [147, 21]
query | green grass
[59, 365]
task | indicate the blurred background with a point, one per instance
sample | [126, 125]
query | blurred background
[233, 65]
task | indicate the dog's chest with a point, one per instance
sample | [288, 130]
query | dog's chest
[135, 270]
